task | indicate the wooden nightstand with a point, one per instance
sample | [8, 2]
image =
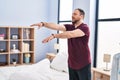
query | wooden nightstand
[50, 56]
[100, 74]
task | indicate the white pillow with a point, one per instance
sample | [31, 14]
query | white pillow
[42, 66]
[60, 62]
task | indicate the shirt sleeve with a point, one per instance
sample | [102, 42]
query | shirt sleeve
[68, 27]
[85, 29]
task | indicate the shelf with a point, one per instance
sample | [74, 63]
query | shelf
[14, 65]
[4, 40]
[16, 37]
[28, 39]
[3, 64]
[15, 52]
[27, 64]
[28, 52]
[1, 53]
[18, 64]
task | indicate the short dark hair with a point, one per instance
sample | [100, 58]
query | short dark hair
[81, 11]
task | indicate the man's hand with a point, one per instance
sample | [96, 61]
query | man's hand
[38, 24]
[48, 39]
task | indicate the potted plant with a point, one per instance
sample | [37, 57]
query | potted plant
[14, 61]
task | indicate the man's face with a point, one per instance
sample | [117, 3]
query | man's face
[76, 16]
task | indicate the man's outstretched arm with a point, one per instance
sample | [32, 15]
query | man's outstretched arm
[66, 34]
[50, 26]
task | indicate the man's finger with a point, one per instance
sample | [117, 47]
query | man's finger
[44, 41]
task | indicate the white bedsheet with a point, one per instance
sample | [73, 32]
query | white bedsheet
[38, 71]
[58, 75]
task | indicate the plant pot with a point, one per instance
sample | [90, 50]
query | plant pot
[27, 59]
[14, 63]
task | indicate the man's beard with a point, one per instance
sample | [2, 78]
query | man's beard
[74, 22]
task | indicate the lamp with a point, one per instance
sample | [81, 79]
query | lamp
[106, 59]
[56, 46]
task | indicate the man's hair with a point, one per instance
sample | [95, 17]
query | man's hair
[81, 11]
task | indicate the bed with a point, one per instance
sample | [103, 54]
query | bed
[43, 70]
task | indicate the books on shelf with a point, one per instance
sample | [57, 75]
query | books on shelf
[26, 47]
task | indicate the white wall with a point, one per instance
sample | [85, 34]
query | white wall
[22, 12]
[25, 13]
[53, 17]
[85, 5]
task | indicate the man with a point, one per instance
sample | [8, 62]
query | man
[77, 33]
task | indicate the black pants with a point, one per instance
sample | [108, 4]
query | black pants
[81, 74]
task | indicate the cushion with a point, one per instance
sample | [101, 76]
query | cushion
[60, 62]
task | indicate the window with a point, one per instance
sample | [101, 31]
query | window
[109, 9]
[107, 30]
[63, 42]
[65, 13]
[108, 40]
[65, 10]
